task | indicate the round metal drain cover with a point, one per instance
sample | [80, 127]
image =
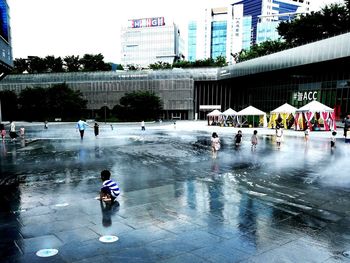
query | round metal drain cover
[48, 252]
[346, 254]
[108, 239]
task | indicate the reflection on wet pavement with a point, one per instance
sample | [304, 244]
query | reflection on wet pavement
[177, 204]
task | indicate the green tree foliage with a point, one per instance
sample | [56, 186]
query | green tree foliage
[119, 67]
[263, 49]
[69, 63]
[331, 20]
[59, 101]
[103, 112]
[8, 105]
[220, 61]
[160, 65]
[138, 105]
[94, 63]
[64, 102]
[36, 65]
[54, 64]
[33, 104]
[72, 63]
[131, 67]
[20, 65]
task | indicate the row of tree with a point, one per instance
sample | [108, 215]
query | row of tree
[59, 101]
[49, 64]
[39, 104]
[52, 64]
[220, 61]
[331, 20]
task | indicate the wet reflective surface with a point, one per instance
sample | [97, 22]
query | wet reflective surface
[177, 204]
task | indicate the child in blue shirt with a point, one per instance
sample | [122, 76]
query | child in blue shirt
[110, 189]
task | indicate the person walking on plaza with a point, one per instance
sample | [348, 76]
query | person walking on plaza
[96, 129]
[143, 128]
[215, 144]
[333, 139]
[13, 133]
[307, 134]
[238, 138]
[254, 140]
[279, 134]
[81, 126]
[346, 122]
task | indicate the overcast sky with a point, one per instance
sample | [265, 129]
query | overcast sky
[77, 27]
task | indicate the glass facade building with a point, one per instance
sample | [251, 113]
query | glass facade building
[6, 59]
[144, 44]
[218, 39]
[267, 31]
[247, 32]
[239, 25]
[192, 41]
[266, 14]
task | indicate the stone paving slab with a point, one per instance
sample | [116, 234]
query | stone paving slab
[177, 203]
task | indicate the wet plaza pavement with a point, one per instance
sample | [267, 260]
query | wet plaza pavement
[177, 204]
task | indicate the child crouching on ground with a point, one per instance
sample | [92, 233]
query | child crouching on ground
[110, 189]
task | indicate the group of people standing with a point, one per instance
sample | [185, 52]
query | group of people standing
[13, 133]
[216, 144]
[215, 140]
[82, 125]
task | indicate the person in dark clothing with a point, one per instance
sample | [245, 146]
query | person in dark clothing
[96, 129]
[238, 138]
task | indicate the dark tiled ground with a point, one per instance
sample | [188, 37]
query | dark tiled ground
[177, 204]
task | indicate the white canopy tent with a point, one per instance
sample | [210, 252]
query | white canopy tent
[214, 117]
[285, 112]
[228, 116]
[251, 111]
[322, 115]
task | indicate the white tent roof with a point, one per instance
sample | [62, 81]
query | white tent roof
[229, 112]
[285, 108]
[250, 111]
[315, 106]
[215, 113]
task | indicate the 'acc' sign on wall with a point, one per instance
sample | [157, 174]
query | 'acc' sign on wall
[305, 96]
[147, 22]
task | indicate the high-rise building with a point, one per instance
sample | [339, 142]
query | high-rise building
[260, 18]
[230, 29]
[6, 60]
[149, 40]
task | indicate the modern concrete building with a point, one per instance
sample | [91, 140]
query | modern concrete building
[319, 70]
[150, 40]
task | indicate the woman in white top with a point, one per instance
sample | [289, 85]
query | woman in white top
[279, 134]
[13, 133]
[215, 144]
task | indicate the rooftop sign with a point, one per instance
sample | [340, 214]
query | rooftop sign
[147, 22]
